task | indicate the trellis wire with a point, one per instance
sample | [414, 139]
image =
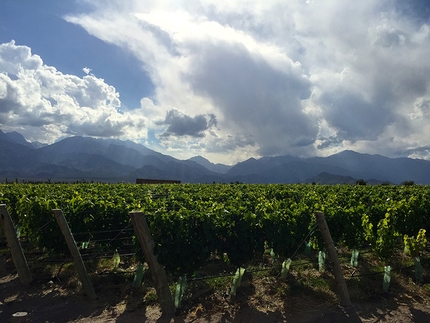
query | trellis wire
[262, 269]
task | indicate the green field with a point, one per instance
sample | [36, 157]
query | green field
[192, 222]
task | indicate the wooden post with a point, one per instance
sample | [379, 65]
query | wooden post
[2, 262]
[147, 243]
[19, 317]
[14, 245]
[337, 270]
[77, 259]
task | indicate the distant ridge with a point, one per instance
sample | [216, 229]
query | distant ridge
[19, 139]
[110, 160]
[326, 178]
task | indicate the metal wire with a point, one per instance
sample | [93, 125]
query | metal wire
[45, 225]
[309, 234]
[114, 238]
[106, 231]
[103, 240]
[379, 272]
[262, 269]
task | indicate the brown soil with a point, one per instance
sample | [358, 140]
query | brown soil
[56, 296]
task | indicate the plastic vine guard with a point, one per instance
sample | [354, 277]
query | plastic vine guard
[137, 281]
[180, 289]
[85, 244]
[354, 257]
[321, 260]
[116, 260]
[308, 249]
[273, 256]
[237, 280]
[418, 270]
[387, 278]
[285, 268]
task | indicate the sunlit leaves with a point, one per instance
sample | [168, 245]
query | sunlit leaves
[192, 222]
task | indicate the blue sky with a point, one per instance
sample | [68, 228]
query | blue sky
[40, 26]
[227, 80]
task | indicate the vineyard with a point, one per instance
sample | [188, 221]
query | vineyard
[193, 224]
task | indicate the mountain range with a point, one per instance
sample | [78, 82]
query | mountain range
[110, 160]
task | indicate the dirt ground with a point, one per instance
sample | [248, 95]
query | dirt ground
[60, 299]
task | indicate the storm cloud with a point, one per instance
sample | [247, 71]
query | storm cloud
[256, 97]
[180, 124]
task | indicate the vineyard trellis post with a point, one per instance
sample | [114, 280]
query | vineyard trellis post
[2, 259]
[15, 247]
[2, 264]
[331, 250]
[147, 243]
[77, 258]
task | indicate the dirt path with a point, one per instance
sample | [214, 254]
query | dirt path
[47, 301]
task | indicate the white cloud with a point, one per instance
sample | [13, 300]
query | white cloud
[86, 70]
[279, 77]
[45, 104]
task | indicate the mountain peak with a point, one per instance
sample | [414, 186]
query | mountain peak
[218, 168]
[18, 138]
[200, 159]
[115, 160]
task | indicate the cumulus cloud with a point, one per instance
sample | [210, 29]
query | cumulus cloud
[45, 104]
[248, 78]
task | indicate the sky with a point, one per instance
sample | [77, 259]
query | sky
[226, 80]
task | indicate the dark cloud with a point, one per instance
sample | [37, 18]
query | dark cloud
[162, 36]
[353, 117]
[103, 128]
[329, 142]
[423, 106]
[256, 97]
[180, 124]
[7, 106]
[389, 38]
[415, 150]
[417, 10]
[230, 143]
[8, 95]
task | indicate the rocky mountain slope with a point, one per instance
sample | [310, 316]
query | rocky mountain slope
[83, 158]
